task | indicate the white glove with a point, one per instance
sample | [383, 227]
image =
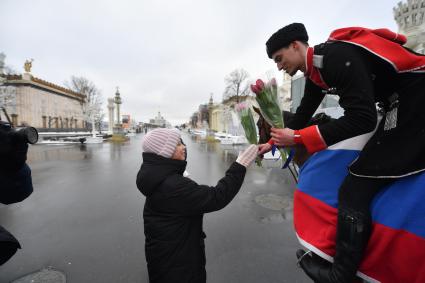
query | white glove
[246, 157]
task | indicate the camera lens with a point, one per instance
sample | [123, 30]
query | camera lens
[29, 134]
[32, 135]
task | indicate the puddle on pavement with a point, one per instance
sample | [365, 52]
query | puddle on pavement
[279, 209]
[47, 275]
[273, 218]
[40, 153]
[273, 202]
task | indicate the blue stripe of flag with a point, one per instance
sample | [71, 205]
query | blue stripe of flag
[400, 206]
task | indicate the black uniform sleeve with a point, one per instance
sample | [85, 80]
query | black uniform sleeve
[191, 198]
[346, 68]
[313, 95]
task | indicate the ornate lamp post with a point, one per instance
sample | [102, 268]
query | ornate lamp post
[111, 107]
[118, 101]
[118, 133]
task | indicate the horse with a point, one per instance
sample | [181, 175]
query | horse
[396, 249]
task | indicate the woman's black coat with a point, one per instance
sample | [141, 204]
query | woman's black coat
[173, 213]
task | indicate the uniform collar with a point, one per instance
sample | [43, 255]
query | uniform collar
[309, 61]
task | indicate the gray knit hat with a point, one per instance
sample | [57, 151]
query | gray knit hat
[284, 36]
[161, 142]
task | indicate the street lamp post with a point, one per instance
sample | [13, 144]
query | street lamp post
[118, 133]
[118, 101]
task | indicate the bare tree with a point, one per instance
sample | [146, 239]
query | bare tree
[9, 70]
[6, 69]
[7, 99]
[98, 120]
[92, 107]
[237, 84]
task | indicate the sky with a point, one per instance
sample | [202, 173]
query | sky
[166, 56]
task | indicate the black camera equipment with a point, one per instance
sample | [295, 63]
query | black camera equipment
[27, 134]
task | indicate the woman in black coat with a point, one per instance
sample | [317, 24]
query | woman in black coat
[174, 207]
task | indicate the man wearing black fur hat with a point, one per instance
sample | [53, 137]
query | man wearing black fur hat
[363, 67]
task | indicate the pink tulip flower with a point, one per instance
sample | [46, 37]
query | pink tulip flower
[260, 84]
[255, 89]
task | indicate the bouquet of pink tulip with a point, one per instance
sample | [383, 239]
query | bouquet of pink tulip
[247, 121]
[266, 97]
[248, 124]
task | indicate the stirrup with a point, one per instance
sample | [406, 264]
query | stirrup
[301, 258]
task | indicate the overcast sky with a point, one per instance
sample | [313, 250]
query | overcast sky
[165, 56]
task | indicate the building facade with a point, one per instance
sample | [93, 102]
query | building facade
[297, 93]
[284, 92]
[158, 122]
[42, 104]
[216, 118]
[203, 116]
[230, 122]
[410, 20]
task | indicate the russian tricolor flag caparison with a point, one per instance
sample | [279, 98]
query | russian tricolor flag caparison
[396, 249]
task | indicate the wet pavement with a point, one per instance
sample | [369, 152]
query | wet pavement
[84, 218]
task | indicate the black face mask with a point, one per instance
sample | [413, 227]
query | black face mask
[185, 151]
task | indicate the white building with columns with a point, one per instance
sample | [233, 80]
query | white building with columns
[410, 20]
[40, 103]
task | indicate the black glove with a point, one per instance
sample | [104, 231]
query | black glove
[13, 149]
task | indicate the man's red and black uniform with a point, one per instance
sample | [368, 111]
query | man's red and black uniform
[361, 78]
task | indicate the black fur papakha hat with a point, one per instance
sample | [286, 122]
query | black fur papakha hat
[284, 36]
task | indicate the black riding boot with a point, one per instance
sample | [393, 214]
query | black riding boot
[353, 232]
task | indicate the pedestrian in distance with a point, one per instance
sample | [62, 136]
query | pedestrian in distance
[369, 70]
[175, 205]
